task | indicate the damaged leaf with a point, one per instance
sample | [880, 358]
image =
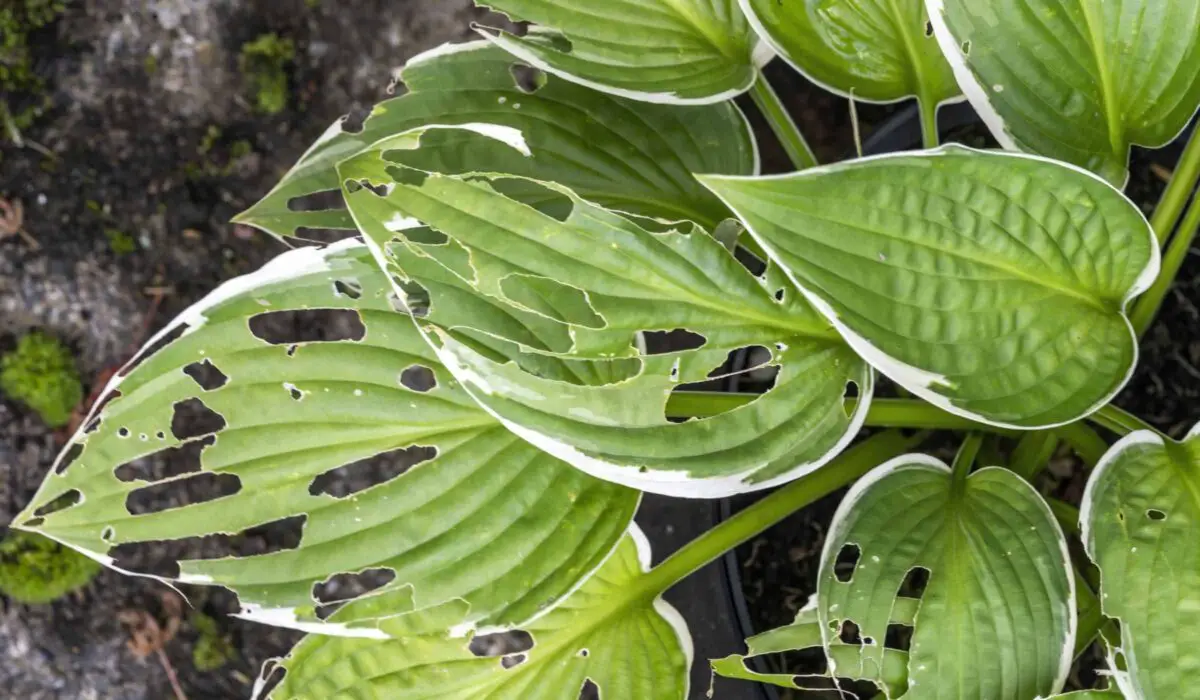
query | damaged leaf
[541, 317]
[664, 51]
[995, 618]
[1141, 526]
[613, 633]
[283, 421]
[992, 285]
[628, 156]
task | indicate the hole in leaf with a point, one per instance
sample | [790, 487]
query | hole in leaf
[966, 48]
[181, 493]
[513, 660]
[402, 175]
[193, 419]
[67, 500]
[418, 378]
[343, 587]
[347, 288]
[206, 374]
[1120, 516]
[317, 201]
[899, 637]
[161, 557]
[584, 653]
[849, 633]
[527, 78]
[928, 28]
[678, 340]
[1155, 514]
[354, 122]
[153, 349]
[589, 691]
[308, 326]
[846, 562]
[501, 643]
[166, 464]
[915, 582]
[780, 294]
[69, 458]
[107, 534]
[550, 202]
[350, 479]
[416, 298]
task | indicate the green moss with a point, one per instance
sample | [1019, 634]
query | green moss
[36, 569]
[41, 374]
[120, 242]
[18, 19]
[264, 63]
[213, 649]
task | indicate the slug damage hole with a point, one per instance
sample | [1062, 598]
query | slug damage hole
[206, 375]
[526, 78]
[1156, 515]
[550, 202]
[846, 562]
[162, 557]
[153, 349]
[347, 288]
[166, 464]
[181, 493]
[589, 691]
[678, 340]
[504, 645]
[418, 378]
[69, 458]
[308, 326]
[339, 589]
[349, 479]
[191, 419]
[67, 500]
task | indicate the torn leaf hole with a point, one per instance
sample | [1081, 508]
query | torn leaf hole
[153, 349]
[339, 589]
[501, 643]
[69, 499]
[584, 653]
[181, 493]
[293, 391]
[512, 660]
[780, 294]
[915, 582]
[552, 203]
[678, 340]
[418, 378]
[108, 534]
[928, 28]
[167, 464]
[899, 636]
[1156, 514]
[589, 691]
[527, 78]
[401, 175]
[416, 298]
[966, 48]
[347, 288]
[308, 326]
[162, 557]
[353, 478]
[849, 633]
[206, 374]
[193, 419]
[69, 458]
[355, 121]
[846, 562]
[317, 201]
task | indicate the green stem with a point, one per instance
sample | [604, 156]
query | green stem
[782, 124]
[840, 472]
[1122, 422]
[1178, 191]
[929, 126]
[965, 459]
[1146, 308]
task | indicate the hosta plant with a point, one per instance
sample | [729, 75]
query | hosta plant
[557, 244]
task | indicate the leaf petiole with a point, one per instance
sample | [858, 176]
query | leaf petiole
[782, 124]
[1146, 308]
[1178, 192]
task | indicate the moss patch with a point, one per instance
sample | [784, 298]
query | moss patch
[18, 19]
[212, 649]
[36, 569]
[41, 374]
[264, 64]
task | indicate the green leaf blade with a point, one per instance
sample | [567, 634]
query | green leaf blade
[992, 285]
[1141, 526]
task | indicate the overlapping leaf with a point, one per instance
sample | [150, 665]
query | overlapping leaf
[1141, 526]
[295, 412]
[612, 633]
[874, 50]
[993, 285]
[1077, 80]
[629, 156]
[538, 314]
[995, 618]
[665, 51]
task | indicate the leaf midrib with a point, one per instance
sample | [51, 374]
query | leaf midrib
[717, 39]
[1095, 26]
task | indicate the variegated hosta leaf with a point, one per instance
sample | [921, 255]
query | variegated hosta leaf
[873, 50]
[993, 285]
[1141, 526]
[625, 640]
[294, 412]
[1077, 80]
[537, 315]
[665, 51]
[629, 156]
[995, 619]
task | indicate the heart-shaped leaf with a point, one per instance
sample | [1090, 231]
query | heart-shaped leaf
[1077, 80]
[665, 51]
[1141, 526]
[628, 156]
[873, 50]
[540, 315]
[365, 440]
[993, 285]
[611, 634]
[995, 618]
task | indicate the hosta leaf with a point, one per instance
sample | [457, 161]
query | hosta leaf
[611, 633]
[538, 314]
[630, 156]
[1141, 526]
[993, 285]
[874, 50]
[995, 619]
[291, 414]
[666, 51]
[1077, 80]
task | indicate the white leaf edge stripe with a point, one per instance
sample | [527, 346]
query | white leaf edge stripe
[918, 460]
[641, 543]
[663, 482]
[761, 29]
[760, 56]
[978, 95]
[1126, 681]
[919, 380]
